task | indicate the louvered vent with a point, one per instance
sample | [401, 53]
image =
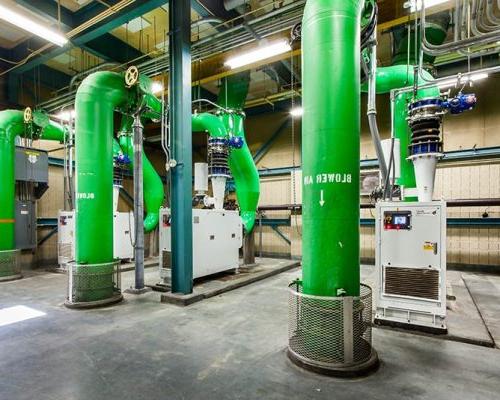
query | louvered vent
[414, 282]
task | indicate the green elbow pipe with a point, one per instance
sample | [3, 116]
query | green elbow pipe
[11, 125]
[210, 123]
[330, 151]
[96, 99]
[49, 130]
[232, 96]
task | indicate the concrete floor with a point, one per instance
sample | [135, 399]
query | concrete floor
[227, 347]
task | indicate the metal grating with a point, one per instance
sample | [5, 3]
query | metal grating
[9, 264]
[93, 282]
[330, 331]
[413, 282]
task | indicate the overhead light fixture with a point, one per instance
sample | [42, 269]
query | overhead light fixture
[30, 25]
[66, 115]
[259, 54]
[416, 5]
[453, 82]
[297, 112]
[156, 87]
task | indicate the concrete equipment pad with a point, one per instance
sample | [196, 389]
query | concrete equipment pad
[224, 282]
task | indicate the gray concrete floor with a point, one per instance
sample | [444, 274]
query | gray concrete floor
[227, 347]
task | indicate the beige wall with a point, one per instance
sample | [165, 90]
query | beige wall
[478, 128]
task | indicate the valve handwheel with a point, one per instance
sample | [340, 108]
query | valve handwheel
[131, 76]
[28, 115]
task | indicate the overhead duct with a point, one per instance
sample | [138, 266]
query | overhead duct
[330, 312]
[232, 96]
[15, 123]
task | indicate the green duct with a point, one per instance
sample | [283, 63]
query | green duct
[47, 129]
[96, 99]
[153, 186]
[330, 147]
[232, 96]
[11, 125]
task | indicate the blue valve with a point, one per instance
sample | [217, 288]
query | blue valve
[460, 103]
[236, 142]
[122, 159]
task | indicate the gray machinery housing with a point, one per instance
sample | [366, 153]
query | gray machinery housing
[32, 177]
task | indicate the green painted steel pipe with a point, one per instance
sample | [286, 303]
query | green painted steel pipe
[210, 123]
[330, 147]
[96, 99]
[232, 96]
[47, 129]
[154, 192]
[11, 125]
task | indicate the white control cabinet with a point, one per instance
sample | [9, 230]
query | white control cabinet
[123, 236]
[217, 238]
[410, 260]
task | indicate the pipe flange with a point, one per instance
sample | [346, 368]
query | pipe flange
[131, 76]
[28, 115]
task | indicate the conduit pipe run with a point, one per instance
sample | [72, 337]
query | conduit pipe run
[232, 97]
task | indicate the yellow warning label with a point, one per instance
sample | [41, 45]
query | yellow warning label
[429, 246]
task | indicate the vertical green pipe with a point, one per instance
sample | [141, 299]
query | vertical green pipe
[11, 125]
[96, 99]
[181, 144]
[232, 96]
[330, 147]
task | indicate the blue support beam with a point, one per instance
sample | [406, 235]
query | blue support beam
[261, 152]
[180, 127]
[281, 235]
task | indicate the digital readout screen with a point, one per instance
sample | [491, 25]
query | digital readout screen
[400, 220]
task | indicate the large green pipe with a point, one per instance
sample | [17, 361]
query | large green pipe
[232, 96]
[11, 125]
[330, 147]
[48, 130]
[153, 186]
[96, 99]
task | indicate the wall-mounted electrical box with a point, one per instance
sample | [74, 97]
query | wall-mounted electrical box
[32, 177]
[410, 259]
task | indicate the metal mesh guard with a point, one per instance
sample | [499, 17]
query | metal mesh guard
[330, 332]
[9, 264]
[93, 282]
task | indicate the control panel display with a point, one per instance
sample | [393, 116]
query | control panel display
[397, 220]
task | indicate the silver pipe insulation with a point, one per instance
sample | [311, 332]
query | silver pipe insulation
[138, 203]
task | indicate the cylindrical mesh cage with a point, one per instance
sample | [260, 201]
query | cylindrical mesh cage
[93, 283]
[330, 332]
[10, 267]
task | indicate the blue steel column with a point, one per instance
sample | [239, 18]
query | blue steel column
[181, 142]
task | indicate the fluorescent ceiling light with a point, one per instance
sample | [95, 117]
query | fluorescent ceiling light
[66, 115]
[11, 315]
[157, 87]
[259, 54]
[416, 5]
[297, 112]
[30, 25]
[453, 82]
